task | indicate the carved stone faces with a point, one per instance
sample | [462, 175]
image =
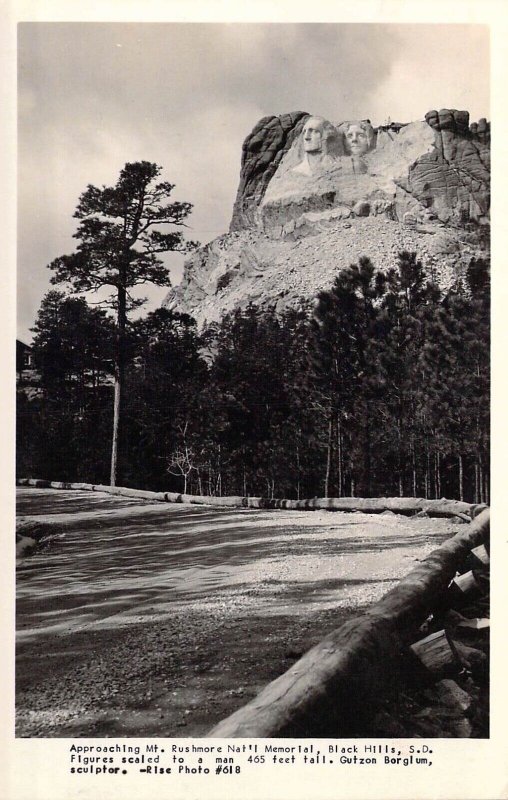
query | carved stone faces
[356, 140]
[320, 146]
[358, 137]
[313, 135]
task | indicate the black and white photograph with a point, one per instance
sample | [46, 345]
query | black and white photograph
[253, 406]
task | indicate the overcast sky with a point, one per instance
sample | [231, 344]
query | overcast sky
[93, 96]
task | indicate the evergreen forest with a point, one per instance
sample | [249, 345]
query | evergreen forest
[379, 386]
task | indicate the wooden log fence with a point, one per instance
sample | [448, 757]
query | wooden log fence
[409, 506]
[342, 675]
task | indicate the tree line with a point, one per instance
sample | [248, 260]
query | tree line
[380, 386]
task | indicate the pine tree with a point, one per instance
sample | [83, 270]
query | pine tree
[409, 301]
[73, 349]
[457, 368]
[119, 245]
[164, 382]
[343, 372]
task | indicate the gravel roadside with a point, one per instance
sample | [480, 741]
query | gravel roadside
[254, 592]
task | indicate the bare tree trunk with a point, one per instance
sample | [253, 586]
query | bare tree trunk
[339, 457]
[438, 474]
[119, 375]
[297, 470]
[367, 467]
[116, 421]
[329, 456]
[399, 455]
[461, 477]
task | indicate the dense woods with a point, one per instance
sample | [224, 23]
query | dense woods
[378, 387]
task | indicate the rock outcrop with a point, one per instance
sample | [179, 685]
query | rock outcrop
[315, 196]
[262, 152]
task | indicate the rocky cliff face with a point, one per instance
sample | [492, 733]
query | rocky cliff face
[315, 196]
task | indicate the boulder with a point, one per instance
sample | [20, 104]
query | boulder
[448, 693]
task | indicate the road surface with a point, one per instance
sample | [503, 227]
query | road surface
[150, 619]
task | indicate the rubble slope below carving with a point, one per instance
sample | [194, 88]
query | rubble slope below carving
[247, 266]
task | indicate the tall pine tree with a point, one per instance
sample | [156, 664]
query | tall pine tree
[120, 240]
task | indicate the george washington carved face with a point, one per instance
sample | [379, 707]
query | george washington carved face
[313, 135]
[320, 144]
[320, 136]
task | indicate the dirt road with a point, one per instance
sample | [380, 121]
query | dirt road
[148, 619]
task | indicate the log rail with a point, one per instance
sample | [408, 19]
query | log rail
[376, 505]
[323, 692]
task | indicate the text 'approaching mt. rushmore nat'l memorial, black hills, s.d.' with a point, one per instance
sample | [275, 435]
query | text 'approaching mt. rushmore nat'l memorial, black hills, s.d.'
[315, 196]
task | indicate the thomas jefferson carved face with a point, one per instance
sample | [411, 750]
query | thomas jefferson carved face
[358, 138]
[313, 135]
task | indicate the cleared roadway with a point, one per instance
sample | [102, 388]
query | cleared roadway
[160, 619]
